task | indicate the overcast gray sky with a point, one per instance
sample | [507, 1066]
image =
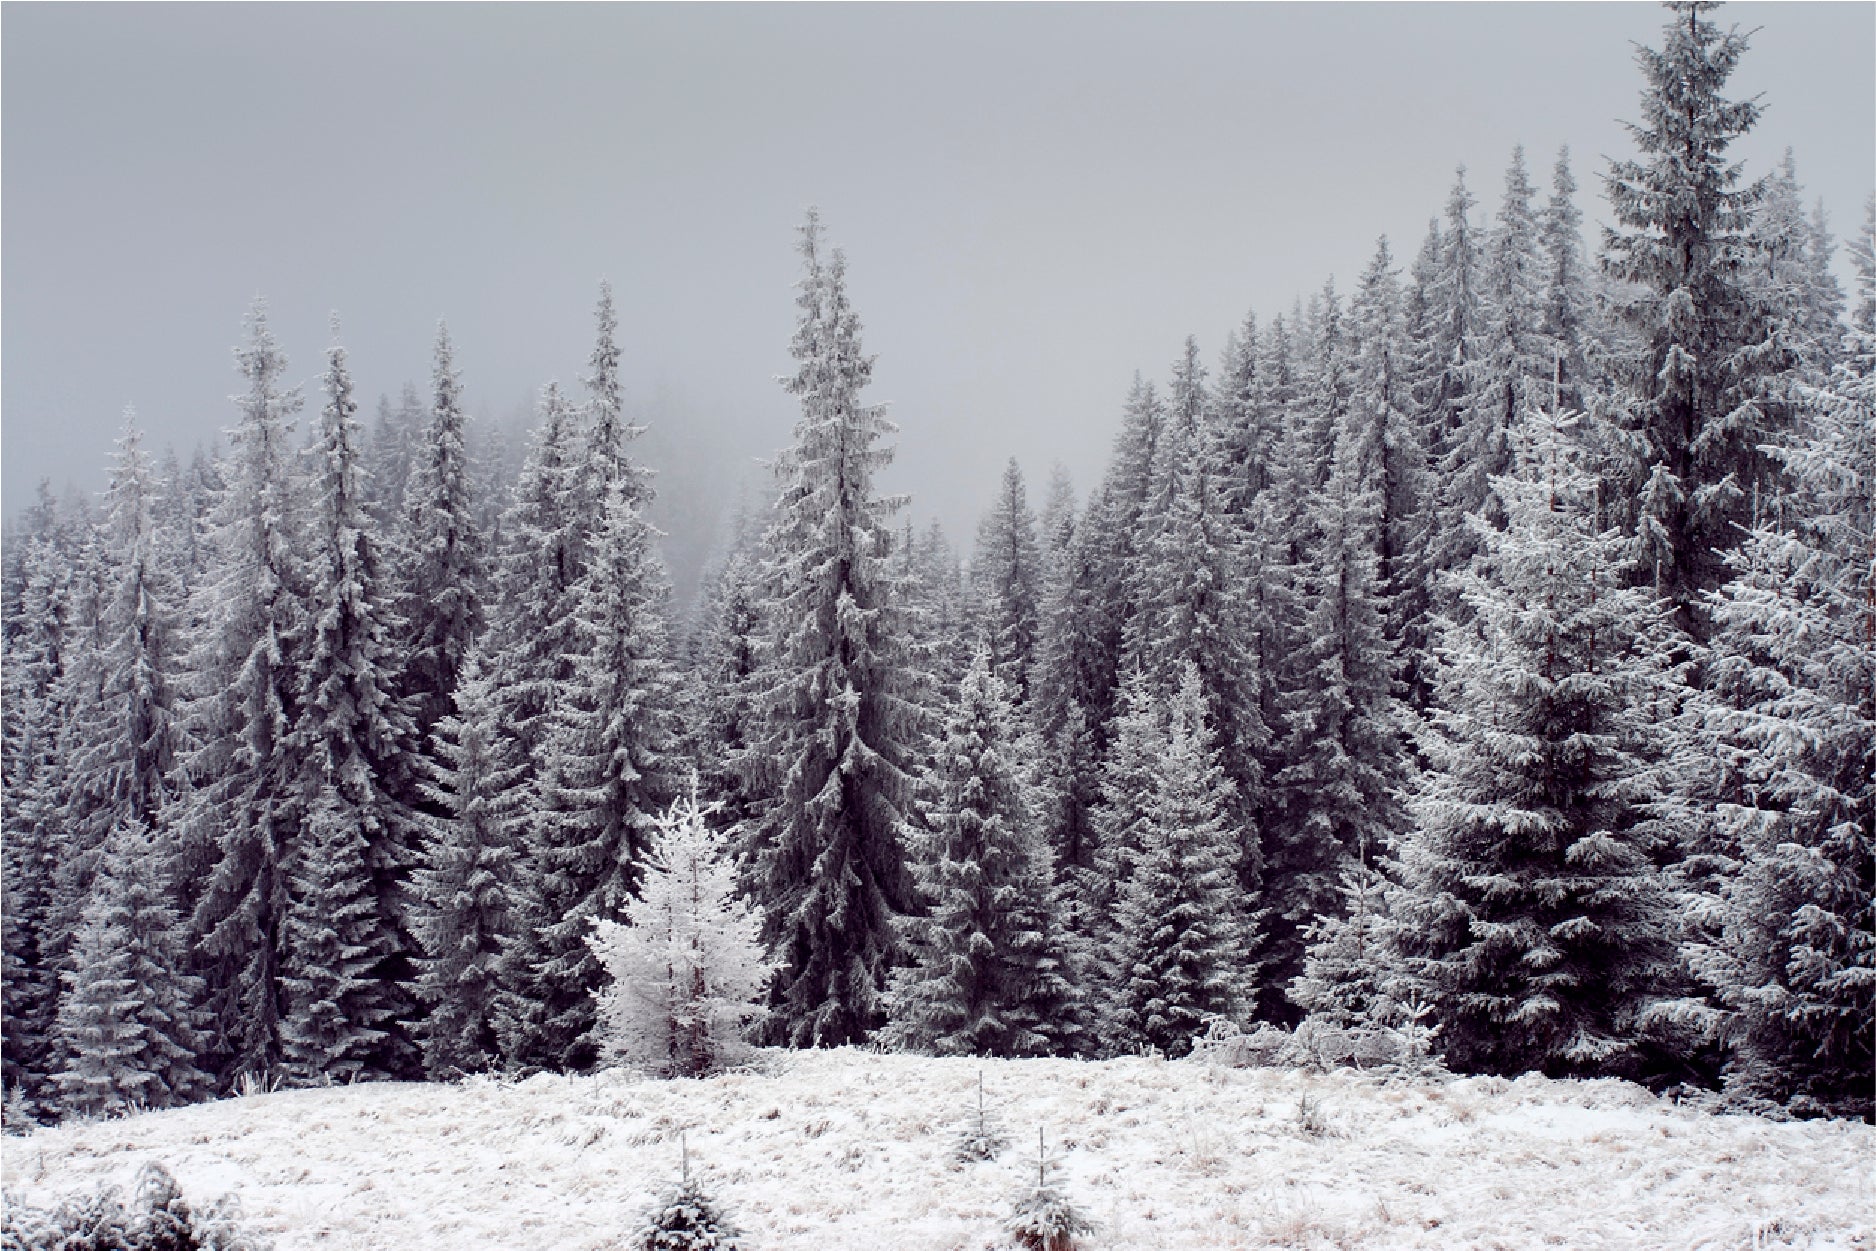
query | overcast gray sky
[1035, 200]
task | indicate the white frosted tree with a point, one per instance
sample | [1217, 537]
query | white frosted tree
[685, 970]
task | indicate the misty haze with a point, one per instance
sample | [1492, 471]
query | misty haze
[938, 626]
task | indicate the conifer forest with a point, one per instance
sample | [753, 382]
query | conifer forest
[1483, 653]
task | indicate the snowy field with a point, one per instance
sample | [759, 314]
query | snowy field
[845, 1149]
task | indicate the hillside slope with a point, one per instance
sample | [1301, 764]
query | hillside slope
[846, 1149]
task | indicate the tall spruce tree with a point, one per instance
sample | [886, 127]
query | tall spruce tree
[1335, 798]
[441, 579]
[353, 747]
[832, 759]
[1682, 240]
[240, 828]
[1532, 916]
[1568, 310]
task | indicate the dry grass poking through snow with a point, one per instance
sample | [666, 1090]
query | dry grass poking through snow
[850, 1150]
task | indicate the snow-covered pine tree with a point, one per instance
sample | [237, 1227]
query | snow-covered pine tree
[1568, 312]
[30, 804]
[1188, 600]
[441, 579]
[1800, 302]
[1531, 915]
[1862, 249]
[238, 828]
[608, 431]
[727, 662]
[1007, 571]
[532, 637]
[127, 1023]
[1393, 456]
[335, 1022]
[608, 771]
[125, 752]
[988, 976]
[1512, 368]
[1185, 939]
[1343, 753]
[1450, 288]
[686, 974]
[350, 947]
[465, 885]
[1791, 942]
[1681, 236]
[837, 719]
[1116, 832]
[119, 740]
[1349, 965]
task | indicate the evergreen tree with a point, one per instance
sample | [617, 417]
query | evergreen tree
[533, 635]
[1348, 968]
[1567, 309]
[352, 746]
[31, 807]
[987, 976]
[608, 771]
[728, 665]
[1682, 239]
[608, 432]
[127, 1022]
[1532, 916]
[466, 882]
[1454, 321]
[1185, 942]
[832, 758]
[239, 828]
[686, 973]
[1343, 757]
[1188, 605]
[1862, 251]
[1007, 572]
[125, 759]
[442, 575]
[336, 1025]
[1791, 944]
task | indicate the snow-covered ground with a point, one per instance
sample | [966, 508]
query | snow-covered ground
[846, 1149]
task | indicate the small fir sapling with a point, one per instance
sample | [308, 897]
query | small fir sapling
[686, 1218]
[1045, 1218]
[981, 1137]
[687, 969]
